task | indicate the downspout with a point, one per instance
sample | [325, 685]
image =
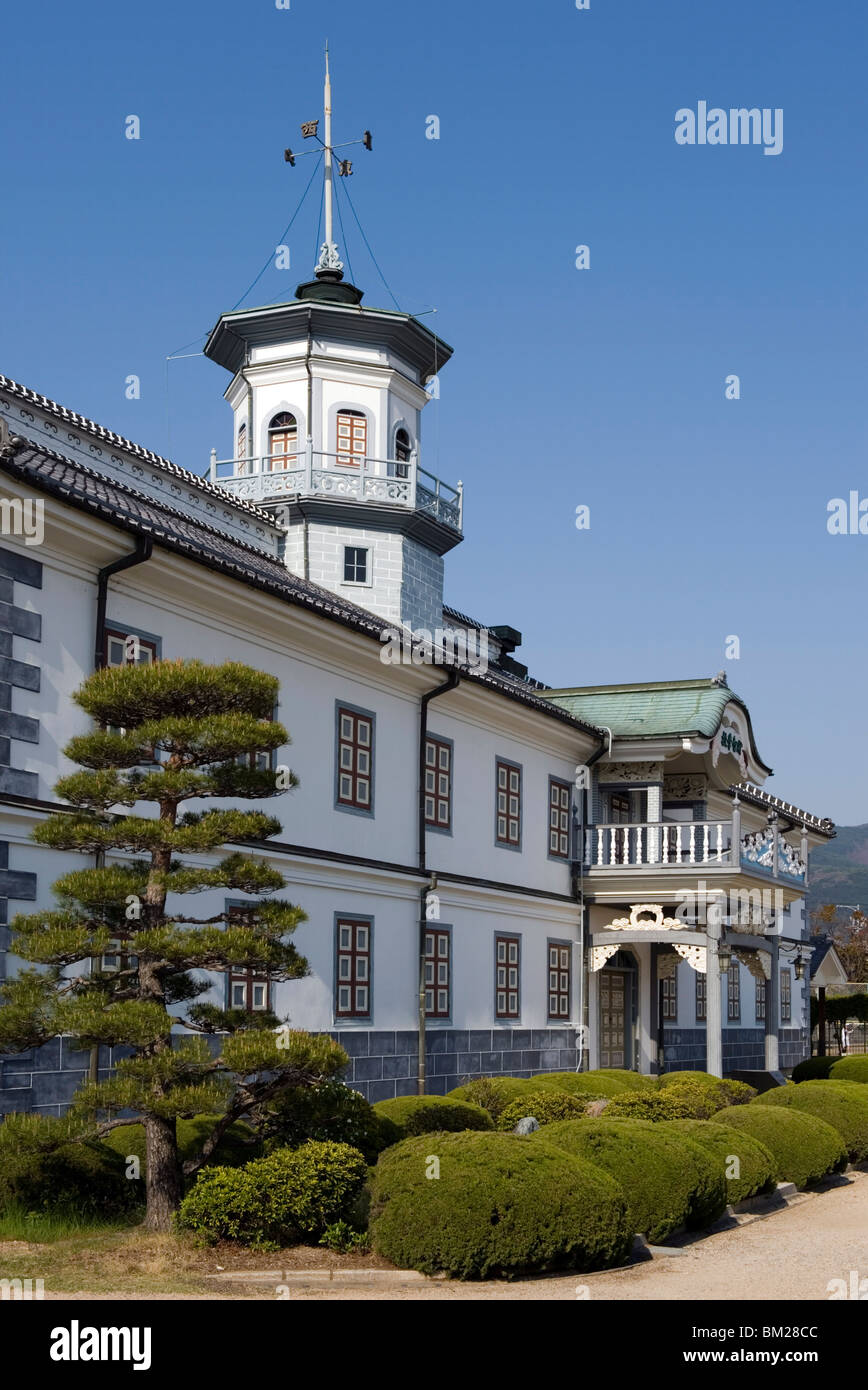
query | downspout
[579, 895]
[143, 551]
[450, 683]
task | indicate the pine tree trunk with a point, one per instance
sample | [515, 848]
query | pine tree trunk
[163, 1180]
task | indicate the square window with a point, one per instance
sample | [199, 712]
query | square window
[355, 565]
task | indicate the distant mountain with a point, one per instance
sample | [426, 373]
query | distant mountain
[838, 870]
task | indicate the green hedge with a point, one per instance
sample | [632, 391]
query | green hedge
[805, 1148]
[327, 1111]
[426, 1114]
[290, 1195]
[687, 1102]
[756, 1163]
[813, 1068]
[493, 1093]
[42, 1174]
[232, 1150]
[501, 1205]
[546, 1106]
[850, 1069]
[723, 1089]
[668, 1180]
[702, 1078]
[841, 1104]
[592, 1084]
[633, 1080]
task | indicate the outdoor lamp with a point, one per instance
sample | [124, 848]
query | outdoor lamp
[799, 968]
[724, 955]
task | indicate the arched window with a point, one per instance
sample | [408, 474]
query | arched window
[241, 461]
[403, 450]
[352, 440]
[282, 441]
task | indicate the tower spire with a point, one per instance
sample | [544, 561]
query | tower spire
[329, 266]
[329, 271]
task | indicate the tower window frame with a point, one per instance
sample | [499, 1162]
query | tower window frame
[351, 429]
[282, 442]
[357, 570]
[402, 451]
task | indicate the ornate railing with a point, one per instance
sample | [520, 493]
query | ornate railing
[680, 844]
[310, 473]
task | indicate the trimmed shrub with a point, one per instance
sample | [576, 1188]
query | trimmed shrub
[237, 1146]
[756, 1163]
[850, 1069]
[277, 1200]
[328, 1111]
[42, 1174]
[687, 1102]
[594, 1084]
[840, 1103]
[547, 1106]
[493, 1093]
[813, 1069]
[428, 1114]
[726, 1091]
[805, 1148]
[502, 1205]
[633, 1080]
[669, 1181]
[702, 1078]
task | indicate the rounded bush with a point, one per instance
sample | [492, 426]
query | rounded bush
[724, 1090]
[328, 1111]
[277, 1200]
[426, 1114]
[546, 1106]
[850, 1069]
[840, 1103]
[756, 1164]
[633, 1080]
[593, 1084]
[491, 1092]
[38, 1173]
[669, 1181]
[686, 1102]
[805, 1148]
[702, 1078]
[501, 1205]
[813, 1068]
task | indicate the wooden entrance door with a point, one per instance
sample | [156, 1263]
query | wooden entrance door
[614, 1002]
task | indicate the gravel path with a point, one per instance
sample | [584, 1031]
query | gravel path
[792, 1254]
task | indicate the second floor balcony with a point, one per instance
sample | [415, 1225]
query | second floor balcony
[707, 844]
[312, 473]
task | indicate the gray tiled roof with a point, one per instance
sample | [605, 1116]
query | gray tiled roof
[130, 510]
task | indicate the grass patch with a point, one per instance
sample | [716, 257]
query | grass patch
[45, 1227]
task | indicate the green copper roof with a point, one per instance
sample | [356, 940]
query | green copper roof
[653, 709]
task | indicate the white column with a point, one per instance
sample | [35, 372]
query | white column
[713, 1003]
[654, 813]
[773, 1009]
[593, 1019]
[647, 981]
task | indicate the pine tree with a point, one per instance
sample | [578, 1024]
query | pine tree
[167, 734]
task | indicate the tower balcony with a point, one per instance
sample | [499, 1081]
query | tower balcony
[313, 473]
[661, 856]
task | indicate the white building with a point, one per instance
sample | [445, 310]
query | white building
[567, 830]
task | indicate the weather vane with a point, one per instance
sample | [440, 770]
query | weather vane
[329, 264]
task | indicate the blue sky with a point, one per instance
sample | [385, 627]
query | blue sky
[602, 387]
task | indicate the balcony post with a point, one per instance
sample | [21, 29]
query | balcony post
[736, 834]
[413, 476]
[460, 491]
[213, 465]
[308, 465]
[773, 826]
[803, 850]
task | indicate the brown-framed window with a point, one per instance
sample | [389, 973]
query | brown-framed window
[760, 1005]
[438, 972]
[242, 462]
[560, 801]
[507, 977]
[733, 992]
[786, 996]
[355, 772]
[248, 989]
[126, 649]
[670, 998]
[508, 827]
[352, 437]
[282, 442]
[438, 783]
[353, 982]
[560, 977]
[701, 997]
